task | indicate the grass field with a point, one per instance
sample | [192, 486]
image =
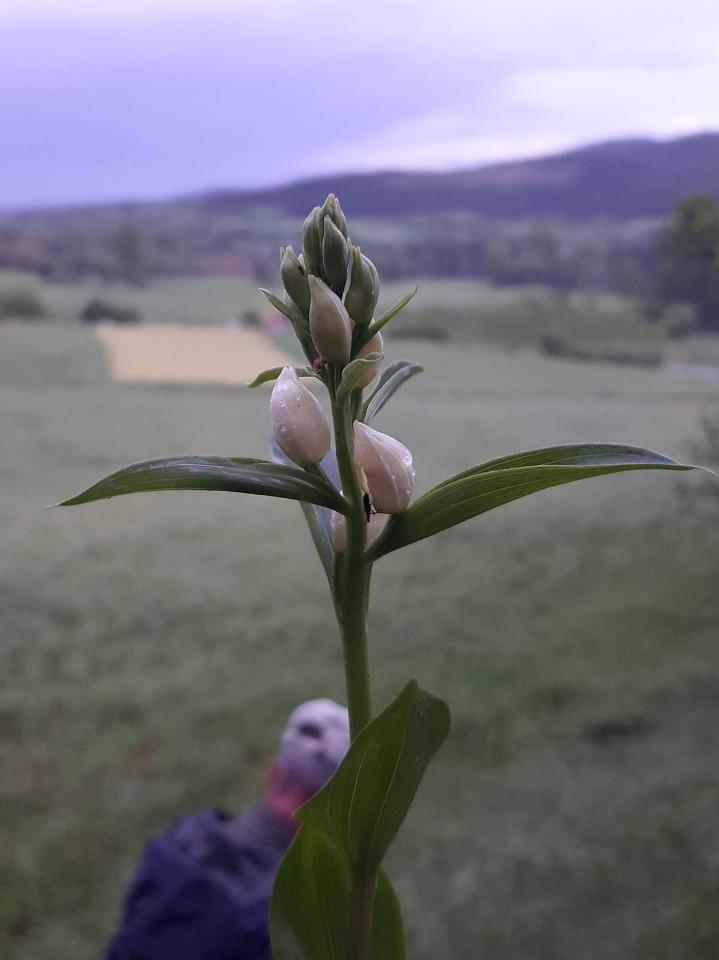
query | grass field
[581, 324]
[150, 649]
[193, 300]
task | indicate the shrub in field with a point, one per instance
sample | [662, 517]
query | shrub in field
[20, 304]
[688, 268]
[97, 311]
[354, 484]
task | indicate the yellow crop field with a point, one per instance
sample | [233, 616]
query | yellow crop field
[180, 354]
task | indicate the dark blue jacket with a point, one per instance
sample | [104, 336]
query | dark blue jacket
[202, 890]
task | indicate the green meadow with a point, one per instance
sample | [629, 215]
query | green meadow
[151, 648]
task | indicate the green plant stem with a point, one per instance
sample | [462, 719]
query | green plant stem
[351, 612]
[352, 577]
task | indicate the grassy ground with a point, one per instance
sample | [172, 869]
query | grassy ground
[150, 649]
[585, 325]
[192, 300]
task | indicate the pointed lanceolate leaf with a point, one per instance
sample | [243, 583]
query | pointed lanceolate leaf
[482, 488]
[237, 475]
[353, 373]
[581, 455]
[293, 315]
[390, 380]
[268, 376]
[319, 524]
[362, 807]
[377, 325]
[309, 906]
[387, 938]
[318, 519]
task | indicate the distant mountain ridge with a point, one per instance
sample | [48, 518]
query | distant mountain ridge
[624, 179]
[619, 180]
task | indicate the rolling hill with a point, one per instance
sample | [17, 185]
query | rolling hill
[622, 180]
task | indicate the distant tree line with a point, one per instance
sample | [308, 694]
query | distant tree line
[688, 268]
[540, 256]
[673, 269]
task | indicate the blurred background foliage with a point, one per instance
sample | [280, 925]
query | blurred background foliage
[152, 648]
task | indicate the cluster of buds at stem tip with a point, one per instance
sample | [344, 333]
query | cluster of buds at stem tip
[385, 469]
[325, 246]
[298, 420]
[330, 288]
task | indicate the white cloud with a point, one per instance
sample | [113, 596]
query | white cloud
[540, 111]
[624, 98]
[436, 141]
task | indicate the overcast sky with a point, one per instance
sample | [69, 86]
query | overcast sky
[155, 98]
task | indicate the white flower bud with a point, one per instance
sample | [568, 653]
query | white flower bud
[374, 345]
[376, 525]
[298, 420]
[329, 323]
[387, 465]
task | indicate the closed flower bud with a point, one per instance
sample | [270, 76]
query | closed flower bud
[331, 208]
[372, 346]
[294, 280]
[363, 292]
[329, 323]
[376, 525]
[335, 253]
[387, 466]
[298, 420]
[312, 241]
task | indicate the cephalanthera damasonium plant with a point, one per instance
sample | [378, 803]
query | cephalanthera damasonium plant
[354, 484]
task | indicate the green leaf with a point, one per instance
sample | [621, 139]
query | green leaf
[234, 474]
[387, 939]
[309, 906]
[362, 807]
[482, 488]
[294, 316]
[320, 532]
[353, 373]
[389, 382]
[582, 455]
[375, 327]
[267, 376]
[319, 519]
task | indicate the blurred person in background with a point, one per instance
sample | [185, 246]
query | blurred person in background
[201, 890]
